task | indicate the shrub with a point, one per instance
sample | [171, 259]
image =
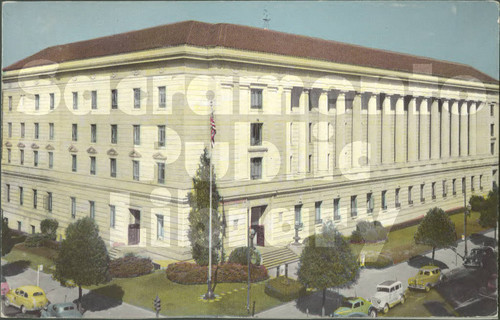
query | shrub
[131, 266]
[368, 232]
[356, 237]
[284, 289]
[477, 203]
[239, 256]
[35, 240]
[378, 262]
[191, 273]
[454, 211]
[49, 228]
[49, 243]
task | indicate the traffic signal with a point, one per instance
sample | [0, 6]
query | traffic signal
[157, 303]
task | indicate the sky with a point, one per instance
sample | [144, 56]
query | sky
[460, 31]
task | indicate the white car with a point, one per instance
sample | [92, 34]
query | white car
[389, 293]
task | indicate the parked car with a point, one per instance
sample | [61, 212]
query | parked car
[426, 278]
[354, 307]
[26, 298]
[61, 310]
[5, 286]
[479, 257]
[389, 293]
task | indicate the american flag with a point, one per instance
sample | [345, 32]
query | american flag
[212, 131]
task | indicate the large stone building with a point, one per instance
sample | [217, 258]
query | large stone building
[308, 131]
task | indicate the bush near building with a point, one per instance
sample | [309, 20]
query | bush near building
[369, 232]
[130, 266]
[284, 289]
[49, 228]
[240, 255]
[191, 273]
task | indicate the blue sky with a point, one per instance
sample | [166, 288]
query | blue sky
[465, 32]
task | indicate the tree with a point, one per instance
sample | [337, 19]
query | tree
[6, 238]
[436, 230]
[198, 199]
[489, 212]
[83, 257]
[327, 261]
[49, 228]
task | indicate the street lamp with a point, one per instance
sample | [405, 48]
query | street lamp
[251, 235]
[297, 238]
[466, 213]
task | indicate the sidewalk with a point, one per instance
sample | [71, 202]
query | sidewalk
[447, 259]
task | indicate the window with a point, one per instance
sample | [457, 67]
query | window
[161, 136]
[317, 208]
[73, 163]
[92, 165]
[492, 110]
[433, 190]
[112, 216]
[328, 162]
[256, 168]
[309, 163]
[480, 180]
[93, 133]
[336, 209]
[112, 167]
[10, 103]
[290, 164]
[492, 148]
[159, 227]
[92, 209]
[291, 133]
[114, 133]
[51, 160]
[422, 195]
[21, 195]
[256, 134]
[74, 132]
[396, 198]
[9, 126]
[354, 206]
[51, 131]
[369, 202]
[463, 185]
[256, 99]
[137, 135]
[445, 188]
[298, 215]
[9, 155]
[492, 129]
[49, 201]
[384, 200]
[19, 227]
[73, 207]
[310, 132]
[75, 100]
[8, 192]
[410, 201]
[472, 183]
[37, 130]
[35, 158]
[32, 229]
[162, 99]
[114, 99]
[135, 165]
[93, 99]
[161, 173]
[454, 186]
[51, 103]
[21, 157]
[22, 129]
[137, 98]
[37, 102]
[35, 198]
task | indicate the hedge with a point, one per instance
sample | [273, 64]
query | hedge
[380, 262]
[130, 266]
[239, 256]
[35, 240]
[368, 232]
[191, 273]
[284, 289]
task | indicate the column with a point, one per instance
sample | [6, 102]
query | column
[435, 129]
[304, 99]
[455, 129]
[424, 129]
[356, 140]
[445, 129]
[387, 140]
[340, 127]
[412, 132]
[464, 132]
[287, 93]
[322, 156]
[373, 129]
[472, 129]
[399, 131]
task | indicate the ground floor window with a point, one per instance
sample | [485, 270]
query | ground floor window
[159, 227]
[256, 168]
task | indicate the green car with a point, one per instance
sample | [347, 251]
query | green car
[355, 306]
[426, 278]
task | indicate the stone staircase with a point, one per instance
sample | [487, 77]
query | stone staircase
[114, 253]
[278, 257]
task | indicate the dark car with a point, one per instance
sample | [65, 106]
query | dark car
[61, 310]
[479, 257]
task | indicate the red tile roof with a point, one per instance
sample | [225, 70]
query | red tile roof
[246, 38]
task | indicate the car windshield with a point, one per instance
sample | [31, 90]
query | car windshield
[69, 308]
[382, 289]
[37, 294]
[347, 304]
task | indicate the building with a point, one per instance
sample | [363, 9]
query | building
[308, 131]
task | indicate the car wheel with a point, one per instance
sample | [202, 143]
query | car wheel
[386, 308]
[402, 299]
[373, 313]
[427, 288]
[23, 309]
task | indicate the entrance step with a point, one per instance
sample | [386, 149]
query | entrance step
[278, 256]
[114, 253]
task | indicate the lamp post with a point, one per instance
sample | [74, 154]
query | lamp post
[251, 235]
[296, 238]
[466, 212]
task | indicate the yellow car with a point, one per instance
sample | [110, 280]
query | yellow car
[26, 298]
[426, 278]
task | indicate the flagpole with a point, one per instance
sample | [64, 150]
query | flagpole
[210, 294]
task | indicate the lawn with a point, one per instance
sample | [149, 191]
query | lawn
[422, 304]
[184, 300]
[35, 256]
[401, 245]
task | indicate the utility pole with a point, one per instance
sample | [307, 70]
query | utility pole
[210, 294]
[465, 215]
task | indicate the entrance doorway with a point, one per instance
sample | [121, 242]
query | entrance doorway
[134, 227]
[256, 225]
